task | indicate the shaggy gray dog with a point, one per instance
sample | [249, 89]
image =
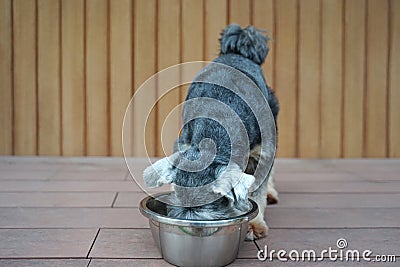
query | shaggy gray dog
[216, 157]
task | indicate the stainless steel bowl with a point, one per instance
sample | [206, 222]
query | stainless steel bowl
[194, 242]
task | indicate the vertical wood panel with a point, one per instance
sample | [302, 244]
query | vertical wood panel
[309, 78]
[96, 78]
[25, 94]
[331, 78]
[215, 21]
[285, 74]
[120, 69]
[354, 63]
[394, 81]
[64, 87]
[168, 51]
[192, 30]
[144, 66]
[376, 90]
[192, 36]
[239, 12]
[6, 118]
[73, 92]
[263, 18]
[49, 77]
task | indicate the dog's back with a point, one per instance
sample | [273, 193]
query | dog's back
[244, 50]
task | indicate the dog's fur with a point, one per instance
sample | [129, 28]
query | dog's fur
[245, 50]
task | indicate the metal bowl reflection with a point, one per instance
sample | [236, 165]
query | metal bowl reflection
[195, 242]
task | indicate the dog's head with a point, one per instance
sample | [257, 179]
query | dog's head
[228, 184]
[249, 42]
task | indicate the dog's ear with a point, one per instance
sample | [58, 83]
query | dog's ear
[234, 184]
[161, 172]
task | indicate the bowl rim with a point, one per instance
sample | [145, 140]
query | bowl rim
[246, 217]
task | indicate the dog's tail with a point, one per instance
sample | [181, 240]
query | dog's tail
[248, 42]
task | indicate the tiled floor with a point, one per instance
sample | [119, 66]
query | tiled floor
[84, 212]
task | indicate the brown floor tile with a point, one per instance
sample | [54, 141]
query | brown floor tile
[72, 186]
[333, 218]
[29, 164]
[45, 263]
[303, 200]
[128, 263]
[42, 243]
[71, 218]
[62, 163]
[137, 166]
[90, 175]
[284, 165]
[129, 199]
[320, 201]
[367, 165]
[59, 199]
[316, 176]
[131, 217]
[338, 187]
[13, 175]
[124, 243]
[380, 176]
[337, 200]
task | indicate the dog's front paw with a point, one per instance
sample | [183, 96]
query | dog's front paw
[257, 229]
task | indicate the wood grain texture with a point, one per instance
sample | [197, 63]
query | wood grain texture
[46, 262]
[263, 17]
[25, 87]
[97, 108]
[49, 106]
[331, 79]
[192, 34]
[239, 12]
[354, 75]
[145, 62]
[394, 82]
[215, 19]
[73, 78]
[168, 50]
[69, 67]
[309, 78]
[6, 90]
[286, 75]
[120, 69]
[376, 83]
[42, 243]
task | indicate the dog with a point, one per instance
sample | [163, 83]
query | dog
[202, 159]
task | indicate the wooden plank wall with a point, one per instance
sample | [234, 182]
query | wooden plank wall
[69, 67]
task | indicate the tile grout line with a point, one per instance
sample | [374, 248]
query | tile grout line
[94, 240]
[114, 200]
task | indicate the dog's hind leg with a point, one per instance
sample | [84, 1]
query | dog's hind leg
[265, 194]
[272, 194]
[257, 227]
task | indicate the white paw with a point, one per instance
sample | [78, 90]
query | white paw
[257, 229]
